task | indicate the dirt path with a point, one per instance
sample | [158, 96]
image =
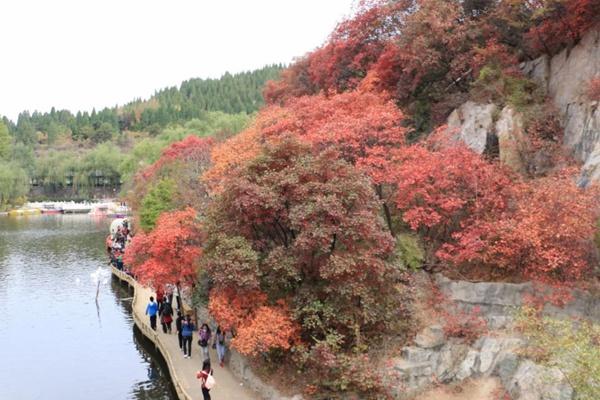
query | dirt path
[184, 369]
[477, 389]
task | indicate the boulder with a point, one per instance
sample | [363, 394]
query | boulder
[419, 355]
[469, 366]
[450, 358]
[472, 123]
[535, 382]
[430, 337]
[506, 366]
[492, 297]
[491, 347]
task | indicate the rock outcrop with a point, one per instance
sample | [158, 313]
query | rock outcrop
[483, 126]
[454, 361]
[473, 123]
[565, 78]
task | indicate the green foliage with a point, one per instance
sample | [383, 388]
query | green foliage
[103, 133]
[495, 85]
[5, 141]
[158, 199]
[14, 184]
[238, 94]
[571, 346]
[409, 250]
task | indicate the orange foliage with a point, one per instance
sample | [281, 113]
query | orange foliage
[259, 327]
[231, 154]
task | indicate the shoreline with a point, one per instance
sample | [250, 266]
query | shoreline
[152, 335]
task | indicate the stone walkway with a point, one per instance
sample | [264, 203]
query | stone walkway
[183, 370]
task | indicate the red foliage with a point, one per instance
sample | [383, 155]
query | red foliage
[192, 149]
[310, 224]
[561, 23]
[355, 45]
[440, 191]
[468, 326]
[593, 92]
[363, 127]
[184, 161]
[293, 82]
[547, 235]
[169, 253]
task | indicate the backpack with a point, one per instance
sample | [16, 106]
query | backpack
[210, 381]
[168, 310]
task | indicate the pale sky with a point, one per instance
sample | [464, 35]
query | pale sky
[80, 54]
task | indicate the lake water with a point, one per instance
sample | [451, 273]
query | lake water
[56, 342]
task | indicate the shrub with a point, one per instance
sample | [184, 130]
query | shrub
[571, 346]
[409, 250]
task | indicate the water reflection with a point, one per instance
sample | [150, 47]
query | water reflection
[57, 342]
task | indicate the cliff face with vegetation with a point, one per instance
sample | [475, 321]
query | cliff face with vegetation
[566, 78]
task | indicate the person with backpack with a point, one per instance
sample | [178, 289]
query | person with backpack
[178, 326]
[152, 310]
[204, 339]
[207, 379]
[166, 316]
[220, 345]
[187, 331]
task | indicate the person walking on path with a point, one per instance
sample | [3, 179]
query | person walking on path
[178, 326]
[205, 380]
[160, 295]
[187, 330]
[166, 316]
[152, 310]
[204, 340]
[220, 345]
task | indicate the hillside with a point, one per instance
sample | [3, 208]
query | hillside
[407, 209]
[71, 155]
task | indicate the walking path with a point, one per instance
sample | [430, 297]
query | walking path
[183, 370]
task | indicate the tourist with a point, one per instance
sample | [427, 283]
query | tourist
[152, 310]
[187, 330]
[220, 345]
[160, 296]
[206, 378]
[203, 340]
[178, 325]
[166, 316]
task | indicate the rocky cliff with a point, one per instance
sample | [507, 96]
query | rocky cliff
[565, 78]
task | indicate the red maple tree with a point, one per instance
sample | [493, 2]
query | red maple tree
[169, 253]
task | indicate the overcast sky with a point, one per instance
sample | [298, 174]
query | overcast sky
[80, 54]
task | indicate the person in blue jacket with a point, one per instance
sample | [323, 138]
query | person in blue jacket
[152, 311]
[187, 330]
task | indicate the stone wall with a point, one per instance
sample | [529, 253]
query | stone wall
[433, 358]
[498, 301]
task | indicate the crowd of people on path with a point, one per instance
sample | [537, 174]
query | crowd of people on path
[161, 309]
[116, 244]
